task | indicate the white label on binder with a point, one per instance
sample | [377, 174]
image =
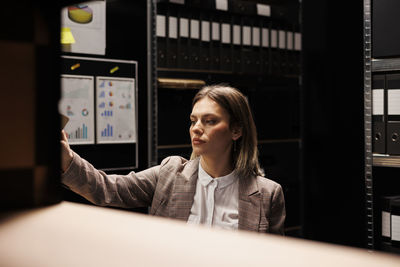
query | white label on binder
[395, 231]
[183, 27]
[182, 2]
[215, 31]
[289, 43]
[160, 28]
[246, 35]
[256, 36]
[263, 10]
[394, 102]
[274, 39]
[386, 223]
[226, 33]
[377, 102]
[265, 37]
[236, 35]
[194, 29]
[173, 26]
[205, 31]
[282, 39]
[297, 41]
[221, 5]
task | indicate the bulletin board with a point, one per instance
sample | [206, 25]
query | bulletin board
[99, 96]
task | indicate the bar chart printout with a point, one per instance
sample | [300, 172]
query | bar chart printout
[77, 103]
[116, 110]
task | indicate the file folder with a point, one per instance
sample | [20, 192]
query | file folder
[194, 47]
[215, 44]
[183, 43]
[161, 40]
[393, 114]
[242, 7]
[274, 59]
[237, 46]
[378, 114]
[297, 49]
[282, 51]
[256, 48]
[172, 40]
[226, 41]
[205, 44]
[247, 53]
[265, 51]
[385, 208]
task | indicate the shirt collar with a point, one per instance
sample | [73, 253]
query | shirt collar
[223, 181]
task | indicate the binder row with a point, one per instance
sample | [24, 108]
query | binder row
[390, 220]
[386, 113]
[225, 41]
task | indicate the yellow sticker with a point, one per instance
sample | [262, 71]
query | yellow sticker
[77, 65]
[66, 36]
[114, 69]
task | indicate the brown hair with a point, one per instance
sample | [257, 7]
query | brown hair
[245, 155]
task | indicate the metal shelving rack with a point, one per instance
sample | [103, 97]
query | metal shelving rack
[372, 66]
[368, 126]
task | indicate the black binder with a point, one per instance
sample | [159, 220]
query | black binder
[274, 56]
[226, 41]
[172, 38]
[393, 114]
[161, 37]
[256, 45]
[205, 38]
[215, 43]
[194, 45]
[265, 48]
[378, 114]
[237, 44]
[183, 42]
[247, 49]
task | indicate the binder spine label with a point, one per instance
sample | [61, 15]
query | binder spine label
[378, 102]
[385, 223]
[395, 232]
[393, 102]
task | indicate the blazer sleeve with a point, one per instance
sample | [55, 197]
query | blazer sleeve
[278, 212]
[125, 191]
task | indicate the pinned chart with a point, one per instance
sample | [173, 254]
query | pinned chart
[116, 115]
[77, 98]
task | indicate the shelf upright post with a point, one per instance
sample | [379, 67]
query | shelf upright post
[368, 126]
[152, 112]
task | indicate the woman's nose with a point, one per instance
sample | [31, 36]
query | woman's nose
[197, 127]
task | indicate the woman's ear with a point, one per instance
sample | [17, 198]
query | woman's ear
[236, 132]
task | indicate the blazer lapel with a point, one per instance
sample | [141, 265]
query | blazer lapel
[249, 204]
[183, 192]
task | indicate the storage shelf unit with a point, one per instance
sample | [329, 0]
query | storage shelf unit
[382, 163]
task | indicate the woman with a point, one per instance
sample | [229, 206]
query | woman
[221, 185]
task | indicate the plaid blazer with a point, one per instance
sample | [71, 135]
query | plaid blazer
[169, 188]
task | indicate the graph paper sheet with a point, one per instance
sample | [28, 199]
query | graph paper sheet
[77, 103]
[116, 112]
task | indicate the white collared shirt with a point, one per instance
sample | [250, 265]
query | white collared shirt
[216, 201]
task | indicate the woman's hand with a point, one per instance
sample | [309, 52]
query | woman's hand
[66, 152]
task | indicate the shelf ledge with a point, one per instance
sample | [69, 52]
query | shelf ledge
[384, 160]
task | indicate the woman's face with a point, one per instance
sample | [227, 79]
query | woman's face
[209, 129]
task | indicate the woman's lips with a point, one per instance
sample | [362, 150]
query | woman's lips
[197, 141]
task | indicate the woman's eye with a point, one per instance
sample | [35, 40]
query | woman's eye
[211, 121]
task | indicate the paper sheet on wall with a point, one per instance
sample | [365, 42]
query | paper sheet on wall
[77, 103]
[87, 23]
[116, 116]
